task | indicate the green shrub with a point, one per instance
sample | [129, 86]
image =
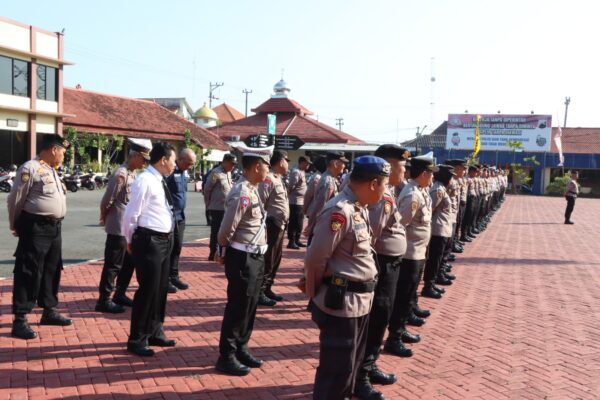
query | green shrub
[559, 185]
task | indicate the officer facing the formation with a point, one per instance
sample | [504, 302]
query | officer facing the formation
[117, 261]
[296, 191]
[273, 194]
[414, 205]
[242, 246]
[36, 207]
[390, 244]
[571, 194]
[340, 278]
[177, 183]
[148, 228]
[218, 185]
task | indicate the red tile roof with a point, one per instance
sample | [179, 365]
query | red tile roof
[282, 104]
[104, 113]
[227, 114]
[578, 140]
[306, 128]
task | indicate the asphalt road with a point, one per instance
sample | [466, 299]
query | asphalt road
[83, 238]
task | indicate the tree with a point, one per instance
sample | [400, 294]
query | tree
[81, 141]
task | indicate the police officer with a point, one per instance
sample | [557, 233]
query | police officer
[177, 183]
[273, 194]
[117, 262]
[341, 275]
[571, 193]
[148, 225]
[36, 207]
[242, 246]
[390, 244]
[218, 185]
[414, 205]
[296, 192]
[319, 167]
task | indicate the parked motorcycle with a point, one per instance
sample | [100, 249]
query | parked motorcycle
[101, 181]
[88, 180]
[73, 181]
[7, 178]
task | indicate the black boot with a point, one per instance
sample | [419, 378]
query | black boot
[413, 320]
[52, 317]
[121, 298]
[379, 377]
[364, 391]
[179, 284]
[231, 366]
[408, 337]
[429, 291]
[263, 300]
[419, 312]
[293, 245]
[109, 306]
[396, 347]
[273, 296]
[248, 359]
[21, 329]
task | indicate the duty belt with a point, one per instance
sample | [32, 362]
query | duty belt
[40, 218]
[249, 248]
[146, 231]
[351, 286]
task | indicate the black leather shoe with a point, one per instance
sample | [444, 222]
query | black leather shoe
[448, 267]
[419, 312]
[22, 330]
[569, 223]
[451, 257]
[430, 292]
[51, 317]
[439, 289]
[449, 276]
[273, 296]
[460, 243]
[379, 377]
[293, 245]
[466, 239]
[476, 231]
[457, 249]
[110, 307]
[122, 299]
[442, 280]
[413, 320]
[471, 237]
[161, 342]
[397, 348]
[300, 244]
[408, 337]
[364, 391]
[179, 284]
[143, 351]
[171, 288]
[248, 359]
[231, 366]
[263, 300]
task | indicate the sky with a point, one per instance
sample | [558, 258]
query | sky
[370, 63]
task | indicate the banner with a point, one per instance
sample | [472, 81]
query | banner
[477, 145]
[533, 131]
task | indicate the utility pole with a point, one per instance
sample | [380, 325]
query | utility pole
[212, 88]
[339, 122]
[567, 102]
[246, 92]
[419, 134]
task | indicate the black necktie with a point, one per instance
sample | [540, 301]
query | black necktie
[167, 193]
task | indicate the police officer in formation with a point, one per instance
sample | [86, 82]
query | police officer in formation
[217, 187]
[296, 191]
[242, 246]
[341, 275]
[571, 193]
[117, 261]
[177, 183]
[36, 208]
[319, 167]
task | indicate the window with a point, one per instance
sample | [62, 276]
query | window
[14, 76]
[46, 83]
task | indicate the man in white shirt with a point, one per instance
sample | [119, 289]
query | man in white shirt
[148, 228]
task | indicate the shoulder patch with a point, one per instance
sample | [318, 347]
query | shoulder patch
[440, 193]
[25, 177]
[414, 205]
[387, 206]
[267, 181]
[215, 177]
[337, 221]
[244, 202]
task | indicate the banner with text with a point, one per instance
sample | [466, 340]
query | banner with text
[534, 131]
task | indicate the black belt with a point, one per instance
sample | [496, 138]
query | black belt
[351, 286]
[41, 218]
[151, 232]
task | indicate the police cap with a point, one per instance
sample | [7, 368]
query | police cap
[456, 162]
[279, 155]
[48, 141]
[142, 146]
[336, 155]
[422, 163]
[392, 151]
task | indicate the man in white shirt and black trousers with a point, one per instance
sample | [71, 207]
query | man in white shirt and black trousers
[148, 227]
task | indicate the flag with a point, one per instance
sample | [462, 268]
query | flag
[558, 143]
[477, 144]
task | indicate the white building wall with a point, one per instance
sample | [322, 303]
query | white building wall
[16, 37]
[46, 45]
[21, 117]
[46, 124]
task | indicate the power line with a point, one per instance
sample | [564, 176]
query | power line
[212, 88]
[339, 122]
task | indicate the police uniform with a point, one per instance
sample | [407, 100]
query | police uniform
[296, 191]
[36, 207]
[341, 275]
[177, 183]
[218, 185]
[117, 261]
[243, 240]
[273, 194]
[320, 165]
[571, 193]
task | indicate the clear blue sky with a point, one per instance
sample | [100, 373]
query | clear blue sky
[367, 62]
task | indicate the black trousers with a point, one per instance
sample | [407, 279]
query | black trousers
[216, 217]
[406, 292]
[296, 223]
[244, 272]
[341, 349]
[459, 220]
[379, 317]
[467, 221]
[437, 247]
[570, 207]
[151, 257]
[38, 263]
[177, 245]
[117, 264]
[275, 235]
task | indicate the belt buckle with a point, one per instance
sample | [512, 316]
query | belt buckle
[338, 280]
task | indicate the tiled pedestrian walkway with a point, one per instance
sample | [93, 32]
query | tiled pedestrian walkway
[522, 321]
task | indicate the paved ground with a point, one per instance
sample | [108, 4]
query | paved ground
[522, 322]
[83, 238]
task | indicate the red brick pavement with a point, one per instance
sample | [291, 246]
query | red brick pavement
[522, 321]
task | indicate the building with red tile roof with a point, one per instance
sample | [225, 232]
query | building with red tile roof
[227, 113]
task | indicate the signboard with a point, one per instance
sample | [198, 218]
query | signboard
[288, 142]
[271, 119]
[259, 141]
[534, 131]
